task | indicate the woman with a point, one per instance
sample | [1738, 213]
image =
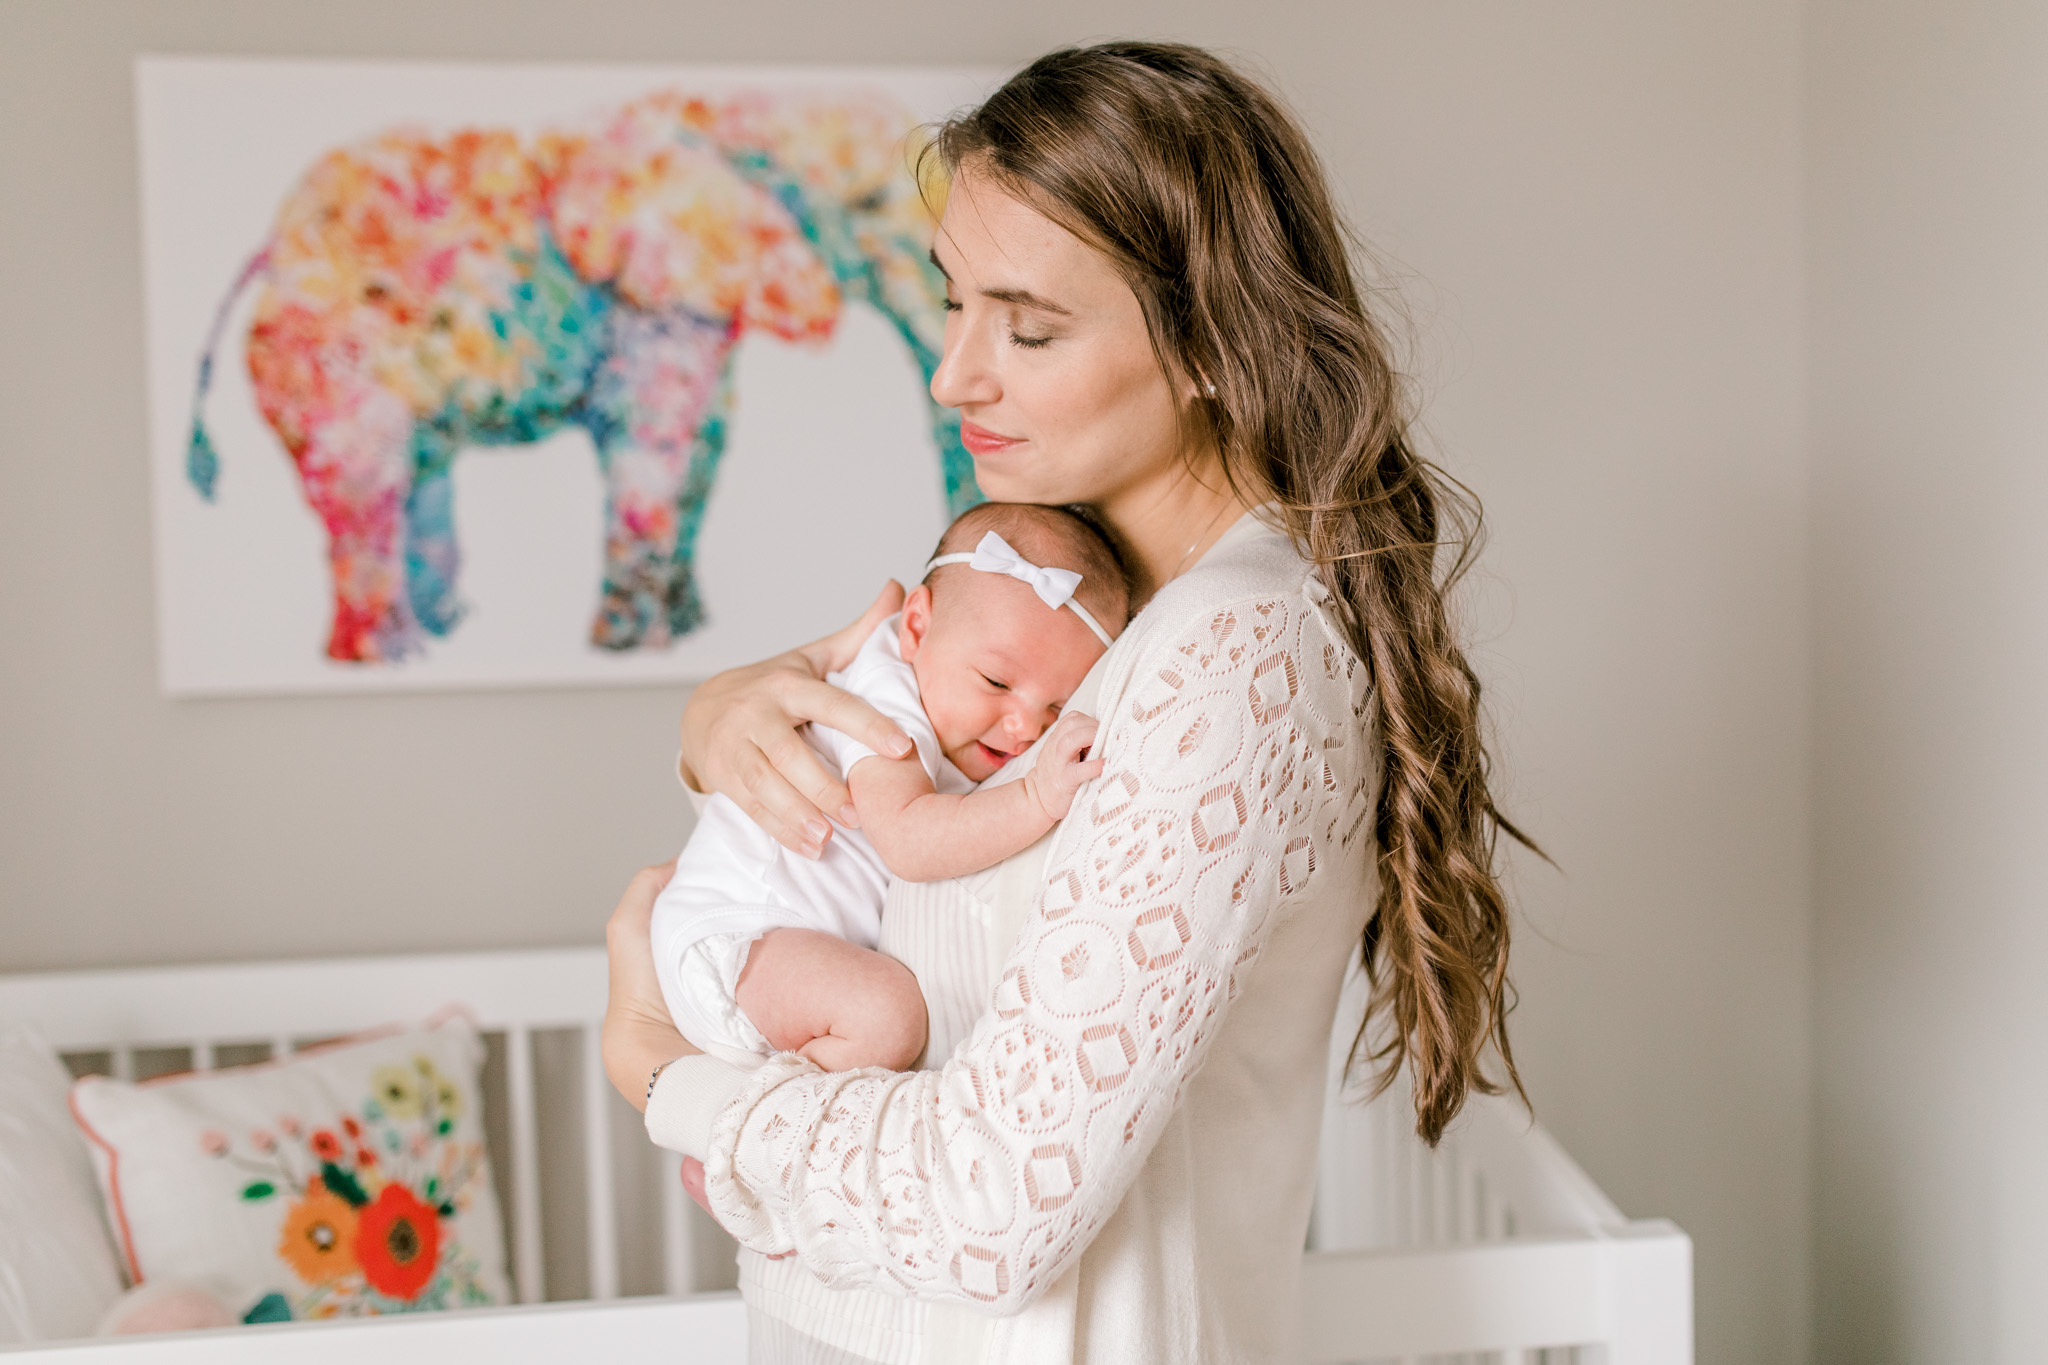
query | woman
[1152, 313]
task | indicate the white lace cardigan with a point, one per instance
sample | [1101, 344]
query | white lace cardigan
[1114, 1157]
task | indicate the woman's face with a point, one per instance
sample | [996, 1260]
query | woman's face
[1047, 357]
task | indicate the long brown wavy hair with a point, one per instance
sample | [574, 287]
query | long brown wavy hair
[1204, 193]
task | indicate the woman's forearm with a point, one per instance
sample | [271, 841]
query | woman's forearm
[638, 1034]
[633, 1049]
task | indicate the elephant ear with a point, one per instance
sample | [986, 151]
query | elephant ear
[846, 148]
[669, 225]
[847, 156]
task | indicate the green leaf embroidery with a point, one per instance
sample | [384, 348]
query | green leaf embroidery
[272, 1307]
[443, 1127]
[258, 1189]
[343, 1183]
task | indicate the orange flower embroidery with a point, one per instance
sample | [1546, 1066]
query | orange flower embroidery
[319, 1235]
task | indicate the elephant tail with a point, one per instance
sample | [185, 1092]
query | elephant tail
[202, 461]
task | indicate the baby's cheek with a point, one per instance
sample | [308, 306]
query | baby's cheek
[955, 718]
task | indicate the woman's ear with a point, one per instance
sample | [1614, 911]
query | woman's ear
[916, 620]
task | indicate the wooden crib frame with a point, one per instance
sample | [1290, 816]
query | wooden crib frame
[1495, 1247]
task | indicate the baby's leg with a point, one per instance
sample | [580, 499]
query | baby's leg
[841, 1006]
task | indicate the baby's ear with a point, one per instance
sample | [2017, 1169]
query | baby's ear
[916, 620]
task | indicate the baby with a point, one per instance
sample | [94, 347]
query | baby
[760, 950]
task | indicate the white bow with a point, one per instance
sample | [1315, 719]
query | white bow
[1055, 587]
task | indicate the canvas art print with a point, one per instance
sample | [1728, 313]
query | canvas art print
[467, 375]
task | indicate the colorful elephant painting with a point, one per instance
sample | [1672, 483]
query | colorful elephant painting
[422, 294]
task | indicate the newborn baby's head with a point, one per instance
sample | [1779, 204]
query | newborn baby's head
[994, 663]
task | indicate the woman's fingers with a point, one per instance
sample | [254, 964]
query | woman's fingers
[635, 909]
[789, 791]
[780, 809]
[836, 709]
[741, 735]
[791, 756]
[693, 1183]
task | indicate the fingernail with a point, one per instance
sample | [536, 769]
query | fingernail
[812, 851]
[900, 746]
[817, 829]
[849, 817]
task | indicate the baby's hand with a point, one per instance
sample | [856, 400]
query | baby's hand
[1060, 768]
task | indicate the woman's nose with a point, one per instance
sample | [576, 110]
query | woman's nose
[963, 375]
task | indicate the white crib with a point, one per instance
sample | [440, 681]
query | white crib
[1495, 1247]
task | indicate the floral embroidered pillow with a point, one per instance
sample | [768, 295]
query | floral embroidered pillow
[350, 1179]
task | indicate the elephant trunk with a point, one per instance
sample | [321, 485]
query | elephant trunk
[202, 461]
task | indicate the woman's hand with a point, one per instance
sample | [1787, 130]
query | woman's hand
[638, 1034]
[740, 734]
[693, 1185]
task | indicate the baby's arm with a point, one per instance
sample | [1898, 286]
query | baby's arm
[926, 837]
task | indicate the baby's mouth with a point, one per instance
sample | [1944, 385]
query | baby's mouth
[995, 758]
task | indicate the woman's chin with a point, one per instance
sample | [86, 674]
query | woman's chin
[1001, 478]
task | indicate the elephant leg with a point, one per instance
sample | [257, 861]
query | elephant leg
[432, 558]
[656, 412]
[357, 469]
[685, 610]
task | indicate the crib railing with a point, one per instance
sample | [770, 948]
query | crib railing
[1495, 1247]
[544, 1085]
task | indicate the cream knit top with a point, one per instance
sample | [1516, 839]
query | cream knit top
[1113, 1156]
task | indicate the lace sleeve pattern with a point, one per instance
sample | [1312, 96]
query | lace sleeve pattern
[1234, 762]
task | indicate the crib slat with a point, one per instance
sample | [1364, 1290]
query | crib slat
[203, 1058]
[122, 1061]
[1450, 1225]
[526, 1262]
[597, 1165]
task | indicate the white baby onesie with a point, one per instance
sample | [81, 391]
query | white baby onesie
[733, 883]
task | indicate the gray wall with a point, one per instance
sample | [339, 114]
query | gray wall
[1928, 253]
[1595, 216]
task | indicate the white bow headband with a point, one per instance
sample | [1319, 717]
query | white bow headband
[1055, 587]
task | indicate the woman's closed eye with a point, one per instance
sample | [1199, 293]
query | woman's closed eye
[1028, 343]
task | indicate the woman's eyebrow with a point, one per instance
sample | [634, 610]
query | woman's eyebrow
[1023, 298]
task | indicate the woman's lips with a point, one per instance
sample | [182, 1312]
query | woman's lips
[980, 440]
